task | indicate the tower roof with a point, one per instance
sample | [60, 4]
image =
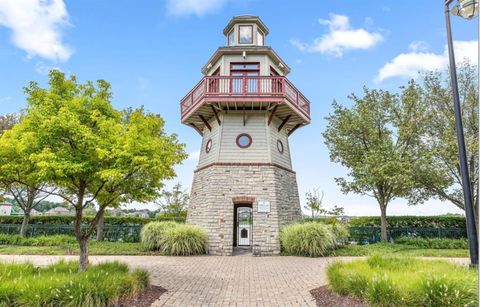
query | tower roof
[245, 19]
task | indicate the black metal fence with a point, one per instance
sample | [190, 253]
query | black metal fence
[113, 233]
[372, 234]
[131, 233]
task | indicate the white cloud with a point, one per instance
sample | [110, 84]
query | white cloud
[195, 7]
[418, 46]
[36, 26]
[409, 64]
[194, 155]
[340, 38]
[5, 100]
[43, 68]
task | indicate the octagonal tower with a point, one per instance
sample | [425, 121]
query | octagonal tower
[244, 188]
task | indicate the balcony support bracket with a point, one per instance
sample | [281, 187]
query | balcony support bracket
[284, 122]
[196, 129]
[216, 115]
[205, 122]
[294, 128]
[270, 118]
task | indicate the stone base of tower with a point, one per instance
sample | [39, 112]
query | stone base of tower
[218, 189]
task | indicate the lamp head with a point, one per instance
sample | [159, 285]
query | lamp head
[466, 8]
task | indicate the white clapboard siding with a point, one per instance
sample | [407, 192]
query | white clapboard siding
[232, 126]
[282, 159]
[212, 156]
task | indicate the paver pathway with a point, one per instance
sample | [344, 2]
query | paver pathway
[224, 281]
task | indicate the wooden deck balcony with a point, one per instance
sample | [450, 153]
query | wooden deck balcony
[241, 90]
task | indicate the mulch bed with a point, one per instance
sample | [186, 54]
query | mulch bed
[326, 297]
[145, 299]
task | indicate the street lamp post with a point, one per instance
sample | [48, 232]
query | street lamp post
[466, 9]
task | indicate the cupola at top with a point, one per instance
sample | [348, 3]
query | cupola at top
[245, 30]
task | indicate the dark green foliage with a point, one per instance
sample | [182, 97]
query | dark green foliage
[61, 284]
[411, 221]
[433, 243]
[57, 240]
[394, 281]
[172, 216]
[325, 220]
[69, 219]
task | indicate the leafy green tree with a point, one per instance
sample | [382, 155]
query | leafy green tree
[442, 176]
[19, 183]
[27, 196]
[173, 202]
[7, 122]
[375, 139]
[79, 143]
[314, 202]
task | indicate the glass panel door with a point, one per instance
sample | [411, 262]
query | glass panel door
[244, 224]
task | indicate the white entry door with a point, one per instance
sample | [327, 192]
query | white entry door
[244, 222]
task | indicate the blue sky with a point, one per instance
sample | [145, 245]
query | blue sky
[152, 51]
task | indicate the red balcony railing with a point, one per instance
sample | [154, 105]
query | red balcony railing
[248, 86]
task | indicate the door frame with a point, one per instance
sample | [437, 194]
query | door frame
[235, 225]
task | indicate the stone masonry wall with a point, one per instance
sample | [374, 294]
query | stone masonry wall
[212, 208]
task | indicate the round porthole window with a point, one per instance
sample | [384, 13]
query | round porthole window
[244, 140]
[280, 146]
[208, 146]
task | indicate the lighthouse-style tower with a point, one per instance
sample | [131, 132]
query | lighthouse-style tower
[244, 189]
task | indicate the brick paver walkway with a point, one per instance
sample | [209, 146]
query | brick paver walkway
[224, 281]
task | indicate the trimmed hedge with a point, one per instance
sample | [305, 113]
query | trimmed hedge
[411, 221]
[325, 220]
[69, 220]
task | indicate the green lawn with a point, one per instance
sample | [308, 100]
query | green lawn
[397, 249]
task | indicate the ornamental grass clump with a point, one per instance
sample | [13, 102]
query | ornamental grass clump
[152, 234]
[311, 239]
[61, 284]
[184, 240]
[394, 281]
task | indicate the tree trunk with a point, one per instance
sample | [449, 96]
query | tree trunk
[100, 226]
[383, 222]
[26, 220]
[83, 254]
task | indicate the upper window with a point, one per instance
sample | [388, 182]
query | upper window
[259, 38]
[246, 34]
[231, 38]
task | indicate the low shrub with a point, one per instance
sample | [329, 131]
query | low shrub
[311, 239]
[433, 243]
[56, 240]
[411, 221]
[394, 281]
[152, 234]
[184, 240]
[61, 284]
